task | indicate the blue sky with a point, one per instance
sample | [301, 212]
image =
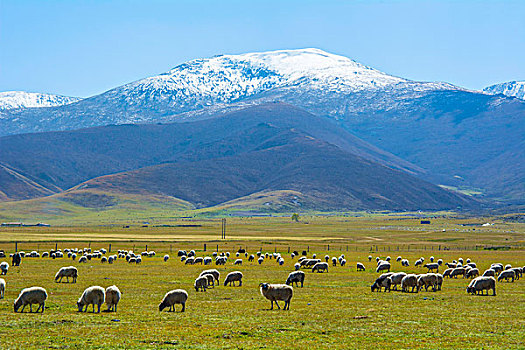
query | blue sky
[82, 48]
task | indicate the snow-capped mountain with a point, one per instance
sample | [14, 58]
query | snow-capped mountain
[511, 89]
[22, 99]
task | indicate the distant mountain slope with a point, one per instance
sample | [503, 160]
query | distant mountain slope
[273, 147]
[511, 89]
[21, 99]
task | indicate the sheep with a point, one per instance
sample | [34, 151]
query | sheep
[112, 298]
[447, 272]
[370, 258]
[189, 261]
[17, 259]
[405, 262]
[216, 274]
[176, 296]
[408, 281]
[198, 260]
[104, 260]
[297, 266]
[360, 267]
[2, 288]
[30, 296]
[207, 260]
[450, 265]
[111, 259]
[201, 283]
[232, 277]
[281, 261]
[82, 259]
[342, 262]
[252, 258]
[326, 258]
[320, 267]
[426, 280]
[431, 267]
[295, 276]
[418, 262]
[518, 272]
[382, 281]
[473, 265]
[472, 273]
[220, 261]
[166, 257]
[238, 262]
[275, 292]
[489, 273]
[69, 271]
[334, 261]
[439, 281]
[388, 258]
[314, 256]
[260, 260]
[93, 295]
[440, 262]
[211, 279]
[383, 266]
[458, 271]
[497, 267]
[4, 267]
[508, 267]
[396, 279]
[431, 259]
[506, 275]
[479, 284]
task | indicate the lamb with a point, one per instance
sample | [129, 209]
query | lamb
[408, 281]
[4, 267]
[430, 267]
[506, 275]
[201, 283]
[474, 272]
[93, 295]
[176, 296]
[396, 279]
[166, 257]
[30, 296]
[238, 262]
[112, 298]
[69, 271]
[458, 271]
[216, 274]
[360, 267]
[295, 276]
[427, 280]
[383, 266]
[479, 284]
[275, 292]
[2, 288]
[382, 281]
[320, 267]
[232, 277]
[489, 273]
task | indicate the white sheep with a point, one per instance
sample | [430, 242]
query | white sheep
[433, 266]
[396, 279]
[275, 292]
[382, 281]
[2, 288]
[408, 281]
[326, 258]
[30, 296]
[210, 278]
[112, 298]
[166, 257]
[238, 262]
[216, 274]
[177, 296]
[93, 295]
[252, 258]
[297, 277]
[334, 261]
[427, 280]
[232, 277]
[343, 262]
[506, 275]
[360, 267]
[479, 284]
[260, 260]
[4, 267]
[82, 259]
[201, 283]
[320, 267]
[68, 271]
[383, 266]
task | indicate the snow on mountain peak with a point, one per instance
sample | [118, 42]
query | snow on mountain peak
[511, 89]
[21, 99]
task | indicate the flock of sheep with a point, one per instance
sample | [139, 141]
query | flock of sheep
[408, 282]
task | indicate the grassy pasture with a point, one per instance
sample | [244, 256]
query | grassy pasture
[335, 309]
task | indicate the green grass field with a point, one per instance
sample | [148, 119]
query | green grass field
[335, 310]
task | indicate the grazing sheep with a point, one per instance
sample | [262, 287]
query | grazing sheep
[473, 265]
[506, 275]
[2, 288]
[458, 271]
[480, 284]
[177, 296]
[497, 267]
[399, 258]
[326, 258]
[111, 259]
[260, 260]
[370, 258]
[440, 262]
[211, 279]
[418, 262]
[320, 267]
[4, 267]
[207, 260]
[238, 262]
[198, 260]
[396, 279]
[334, 261]
[382, 281]
[30, 296]
[427, 280]
[472, 273]
[166, 257]
[408, 281]
[518, 272]
[508, 267]
[431, 259]
[342, 262]
[220, 261]
[216, 274]
[69, 271]
[295, 276]
[388, 258]
[104, 260]
[189, 261]
[297, 266]
[112, 298]
[405, 262]
[281, 261]
[489, 273]
[275, 292]
[232, 277]
[201, 283]
[82, 259]
[252, 258]
[383, 266]
[17, 259]
[451, 265]
[439, 281]
[93, 295]
[360, 267]
[430, 267]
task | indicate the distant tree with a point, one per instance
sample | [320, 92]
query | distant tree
[295, 217]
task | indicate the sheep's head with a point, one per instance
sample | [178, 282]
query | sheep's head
[79, 305]
[264, 286]
[17, 304]
[162, 306]
[374, 286]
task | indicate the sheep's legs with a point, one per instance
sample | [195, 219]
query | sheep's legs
[183, 307]
[277, 305]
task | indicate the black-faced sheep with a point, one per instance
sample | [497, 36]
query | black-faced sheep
[30, 296]
[275, 292]
[382, 281]
[177, 296]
